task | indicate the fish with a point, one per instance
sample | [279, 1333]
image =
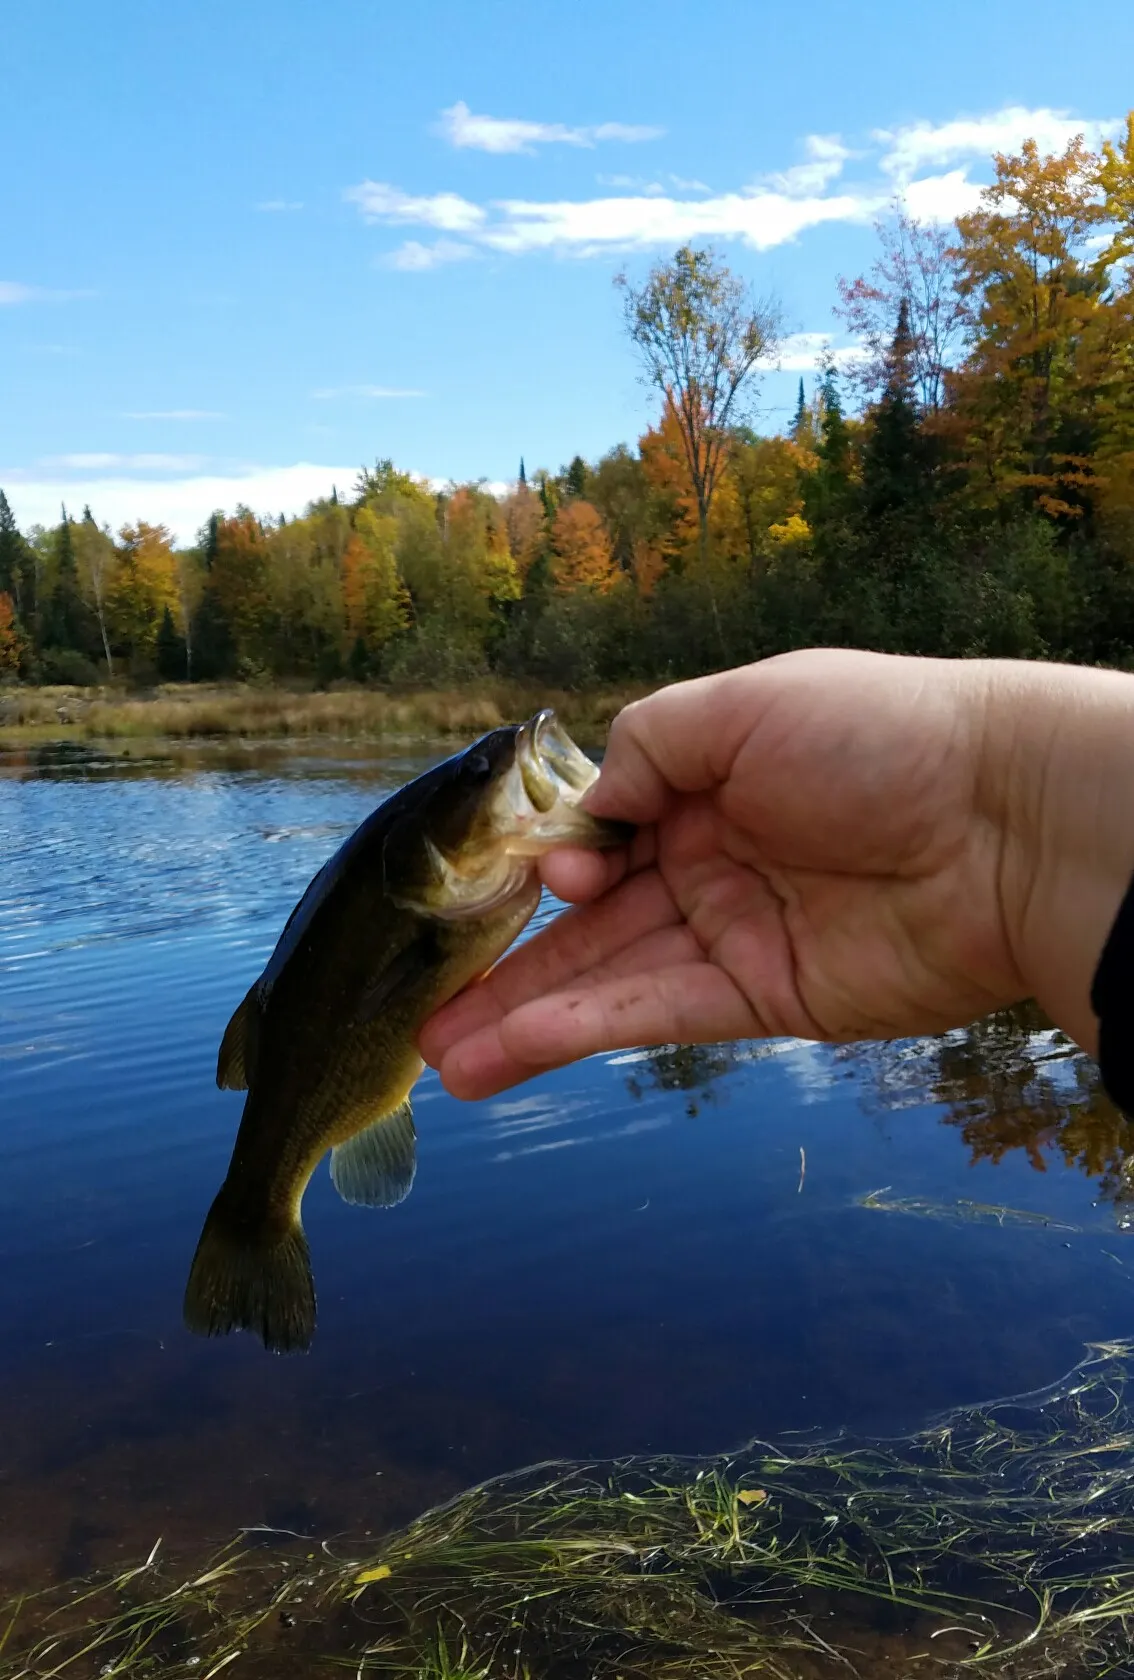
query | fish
[424, 897]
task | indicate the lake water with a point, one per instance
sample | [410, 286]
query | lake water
[660, 1252]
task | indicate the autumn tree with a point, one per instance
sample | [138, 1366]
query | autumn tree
[144, 584]
[235, 602]
[375, 599]
[700, 336]
[583, 555]
[1025, 274]
[917, 268]
[11, 641]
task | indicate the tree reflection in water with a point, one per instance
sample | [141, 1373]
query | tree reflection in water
[1010, 1081]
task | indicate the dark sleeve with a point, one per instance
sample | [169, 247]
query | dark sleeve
[1112, 999]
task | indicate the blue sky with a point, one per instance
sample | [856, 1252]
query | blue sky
[246, 247]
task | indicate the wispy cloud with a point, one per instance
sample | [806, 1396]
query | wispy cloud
[101, 461]
[280, 206]
[414, 256]
[925, 145]
[172, 414]
[910, 164]
[329, 393]
[758, 218]
[379, 202]
[464, 129]
[14, 292]
[826, 156]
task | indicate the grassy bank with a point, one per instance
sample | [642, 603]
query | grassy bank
[183, 712]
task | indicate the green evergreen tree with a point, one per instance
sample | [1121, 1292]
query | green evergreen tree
[523, 474]
[17, 566]
[209, 542]
[65, 620]
[575, 478]
[214, 647]
[169, 650]
[802, 419]
[358, 661]
[896, 464]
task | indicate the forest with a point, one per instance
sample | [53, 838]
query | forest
[963, 485]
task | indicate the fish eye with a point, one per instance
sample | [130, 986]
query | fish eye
[478, 767]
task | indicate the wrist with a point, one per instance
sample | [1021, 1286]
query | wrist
[1058, 779]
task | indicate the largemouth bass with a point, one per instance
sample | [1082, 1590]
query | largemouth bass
[423, 897]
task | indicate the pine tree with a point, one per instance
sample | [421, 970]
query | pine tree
[214, 647]
[575, 477]
[896, 464]
[802, 417]
[63, 625]
[523, 474]
[209, 543]
[17, 565]
[169, 650]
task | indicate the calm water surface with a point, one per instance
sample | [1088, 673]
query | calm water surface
[623, 1257]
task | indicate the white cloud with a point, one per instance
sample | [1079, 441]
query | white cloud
[463, 129]
[379, 202]
[804, 352]
[826, 156]
[100, 460]
[932, 145]
[375, 391]
[414, 256]
[759, 218]
[182, 504]
[280, 206]
[941, 198]
[172, 414]
[928, 167]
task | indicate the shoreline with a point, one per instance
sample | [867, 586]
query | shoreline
[184, 713]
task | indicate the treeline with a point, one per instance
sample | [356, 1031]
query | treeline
[965, 486]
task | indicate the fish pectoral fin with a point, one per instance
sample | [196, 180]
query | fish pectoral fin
[376, 1167]
[236, 1062]
[411, 964]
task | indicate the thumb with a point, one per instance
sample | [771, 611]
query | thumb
[681, 739]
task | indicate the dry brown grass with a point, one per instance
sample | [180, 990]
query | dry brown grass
[179, 712]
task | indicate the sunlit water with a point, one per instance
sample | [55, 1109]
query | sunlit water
[646, 1253]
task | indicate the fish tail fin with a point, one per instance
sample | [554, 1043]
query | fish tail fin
[245, 1277]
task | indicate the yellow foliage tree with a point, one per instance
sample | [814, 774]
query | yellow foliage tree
[1025, 273]
[374, 596]
[143, 585]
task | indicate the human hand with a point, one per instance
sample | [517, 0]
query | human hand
[834, 845]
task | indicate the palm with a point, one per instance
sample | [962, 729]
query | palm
[833, 885]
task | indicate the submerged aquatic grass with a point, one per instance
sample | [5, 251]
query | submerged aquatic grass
[997, 1542]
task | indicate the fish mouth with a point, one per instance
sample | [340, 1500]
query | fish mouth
[551, 766]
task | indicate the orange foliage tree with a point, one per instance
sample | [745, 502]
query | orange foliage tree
[583, 557]
[11, 642]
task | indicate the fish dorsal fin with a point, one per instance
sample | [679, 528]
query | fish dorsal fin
[236, 1062]
[376, 1168]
